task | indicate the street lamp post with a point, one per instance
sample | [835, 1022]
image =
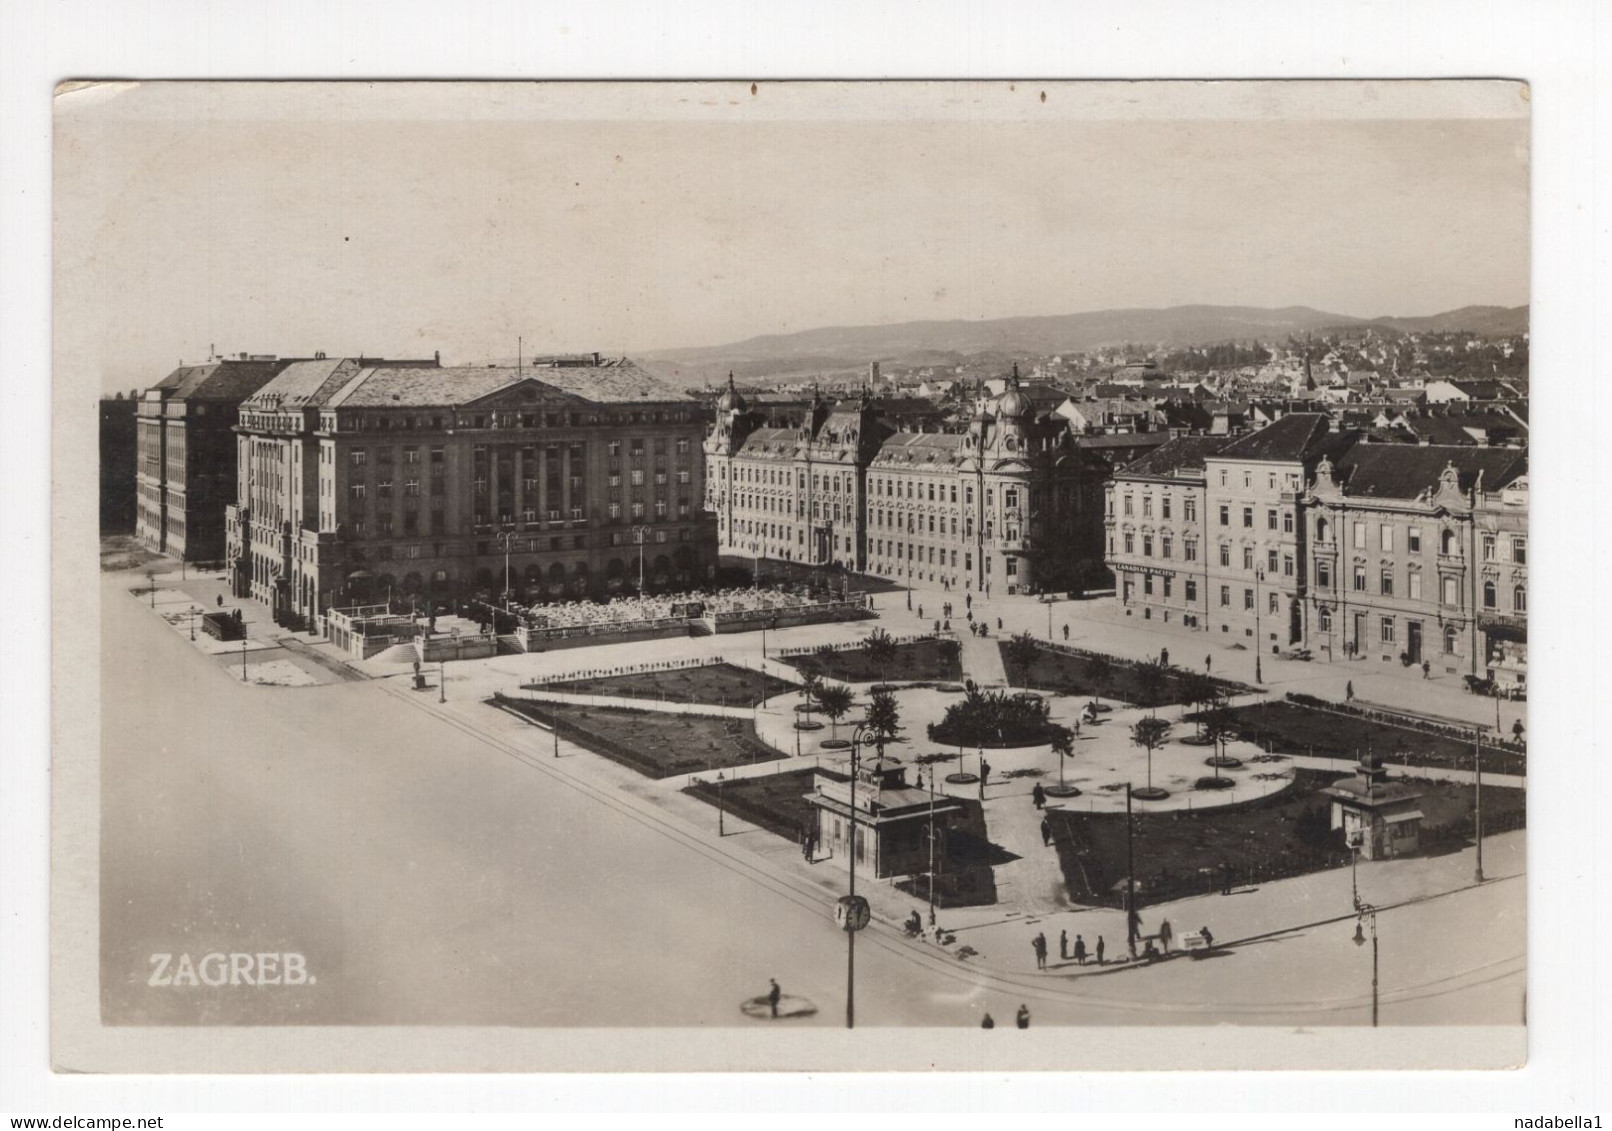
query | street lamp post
[721, 811]
[1259, 645]
[506, 539]
[442, 680]
[1367, 916]
[1477, 784]
[193, 622]
[858, 736]
[639, 533]
[243, 657]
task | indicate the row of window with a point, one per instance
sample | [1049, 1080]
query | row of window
[353, 422]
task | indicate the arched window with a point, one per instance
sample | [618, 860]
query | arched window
[1322, 529]
[1519, 598]
[1446, 543]
[1451, 592]
[1488, 595]
[1449, 639]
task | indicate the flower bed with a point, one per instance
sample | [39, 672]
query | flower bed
[656, 744]
[716, 684]
[995, 720]
[927, 658]
[1291, 727]
[1074, 671]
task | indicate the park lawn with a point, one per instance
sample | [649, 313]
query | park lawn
[725, 685]
[1070, 674]
[1291, 728]
[1179, 853]
[776, 802]
[656, 744]
[917, 660]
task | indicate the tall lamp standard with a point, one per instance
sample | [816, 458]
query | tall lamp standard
[506, 539]
[755, 568]
[1477, 785]
[855, 918]
[1259, 646]
[1367, 916]
[639, 533]
[193, 636]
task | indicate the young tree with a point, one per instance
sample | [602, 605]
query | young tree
[811, 684]
[1150, 733]
[1151, 676]
[1100, 672]
[1220, 726]
[884, 716]
[1020, 652]
[834, 700]
[1063, 745]
[879, 646]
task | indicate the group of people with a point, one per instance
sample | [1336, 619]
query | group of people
[659, 606]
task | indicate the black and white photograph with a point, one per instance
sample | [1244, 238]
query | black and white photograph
[757, 566]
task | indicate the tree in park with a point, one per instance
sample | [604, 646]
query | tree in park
[1150, 733]
[1199, 691]
[880, 647]
[884, 716]
[1151, 677]
[1063, 745]
[1100, 672]
[1021, 652]
[811, 685]
[834, 700]
[1220, 726]
[950, 651]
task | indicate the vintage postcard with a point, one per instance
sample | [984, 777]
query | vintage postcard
[594, 576]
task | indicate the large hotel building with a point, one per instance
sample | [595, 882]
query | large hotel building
[1009, 506]
[1298, 536]
[357, 480]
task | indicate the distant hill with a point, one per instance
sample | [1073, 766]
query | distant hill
[833, 349]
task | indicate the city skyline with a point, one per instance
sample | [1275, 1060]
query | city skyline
[350, 234]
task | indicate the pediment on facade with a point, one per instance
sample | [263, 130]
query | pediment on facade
[528, 395]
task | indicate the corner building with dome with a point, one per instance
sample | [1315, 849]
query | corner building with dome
[1008, 506]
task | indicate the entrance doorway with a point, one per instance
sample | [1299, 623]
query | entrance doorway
[1359, 642]
[1413, 641]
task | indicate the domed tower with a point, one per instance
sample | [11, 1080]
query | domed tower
[734, 421]
[1015, 416]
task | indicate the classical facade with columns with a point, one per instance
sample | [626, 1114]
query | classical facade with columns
[359, 482]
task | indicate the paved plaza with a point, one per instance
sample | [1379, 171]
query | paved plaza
[1031, 895]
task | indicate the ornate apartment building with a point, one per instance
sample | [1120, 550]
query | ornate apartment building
[1420, 554]
[185, 454]
[1156, 531]
[1298, 536]
[357, 480]
[1008, 506]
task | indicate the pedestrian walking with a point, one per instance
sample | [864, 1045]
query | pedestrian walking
[1349, 691]
[1046, 831]
[1133, 927]
[1038, 796]
[221, 600]
[1077, 726]
[1427, 669]
[999, 624]
[1165, 935]
[968, 599]
[1039, 946]
[1225, 878]
[1100, 947]
[773, 995]
[1208, 939]
[1024, 1017]
[1080, 950]
[1207, 661]
[1066, 634]
[1063, 946]
[1164, 657]
[988, 1023]
[920, 612]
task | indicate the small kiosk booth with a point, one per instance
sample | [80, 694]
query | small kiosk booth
[1380, 818]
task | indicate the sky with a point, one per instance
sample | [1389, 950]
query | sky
[190, 228]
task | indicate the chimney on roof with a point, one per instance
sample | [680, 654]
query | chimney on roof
[596, 357]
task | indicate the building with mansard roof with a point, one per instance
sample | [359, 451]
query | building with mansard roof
[1010, 505]
[357, 480]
